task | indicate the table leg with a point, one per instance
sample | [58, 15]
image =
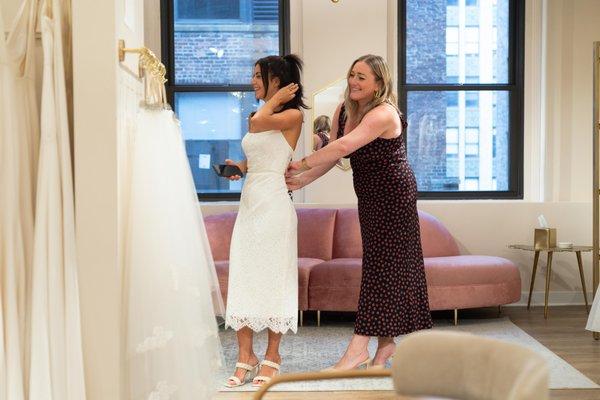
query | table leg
[548, 276]
[535, 264]
[580, 264]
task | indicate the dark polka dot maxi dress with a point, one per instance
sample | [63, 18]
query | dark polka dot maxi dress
[393, 294]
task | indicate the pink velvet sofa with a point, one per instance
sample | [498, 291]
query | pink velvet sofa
[330, 263]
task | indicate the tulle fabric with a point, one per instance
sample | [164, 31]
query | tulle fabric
[171, 290]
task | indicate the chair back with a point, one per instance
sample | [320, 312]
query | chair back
[463, 366]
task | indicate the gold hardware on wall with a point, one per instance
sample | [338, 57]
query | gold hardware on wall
[150, 68]
[148, 61]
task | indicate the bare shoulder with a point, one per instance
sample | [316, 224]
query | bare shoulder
[338, 109]
[293, 122]
[293, 114]
[383, 113]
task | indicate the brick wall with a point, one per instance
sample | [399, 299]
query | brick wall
[219, 54]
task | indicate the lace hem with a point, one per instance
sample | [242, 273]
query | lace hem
[276, 324]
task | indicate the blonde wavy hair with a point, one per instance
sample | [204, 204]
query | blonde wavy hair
[385, 93]
[322, 124]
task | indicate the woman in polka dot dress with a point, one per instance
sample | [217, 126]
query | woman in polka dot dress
[368, 127]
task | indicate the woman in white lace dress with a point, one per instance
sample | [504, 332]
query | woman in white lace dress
[263, 268]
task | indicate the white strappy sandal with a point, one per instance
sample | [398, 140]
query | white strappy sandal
[248, 375]
[260, 380]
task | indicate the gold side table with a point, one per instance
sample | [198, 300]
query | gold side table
[550, 251]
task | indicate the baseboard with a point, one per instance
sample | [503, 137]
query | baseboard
[554, 299]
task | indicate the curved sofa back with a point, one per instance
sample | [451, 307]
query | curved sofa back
[327, 233]
[435, 238]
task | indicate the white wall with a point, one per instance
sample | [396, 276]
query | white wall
[95, 157]
[105, 102]
[572, 27]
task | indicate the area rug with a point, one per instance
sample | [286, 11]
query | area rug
[314, 348]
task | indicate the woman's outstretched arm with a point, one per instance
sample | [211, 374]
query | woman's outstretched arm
[373, 125]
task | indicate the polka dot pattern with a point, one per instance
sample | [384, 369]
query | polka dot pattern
[393, 295]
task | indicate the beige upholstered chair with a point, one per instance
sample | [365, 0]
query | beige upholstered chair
[468, 367]
[452, 365]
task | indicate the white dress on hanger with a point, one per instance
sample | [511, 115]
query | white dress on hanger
[19, 138]
[56, 344]
[593, 322]
[263, 261]
[171, 289]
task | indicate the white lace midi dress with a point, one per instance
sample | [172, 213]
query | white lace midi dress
[263, 260]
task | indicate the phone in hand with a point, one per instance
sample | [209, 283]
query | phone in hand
[226, 170]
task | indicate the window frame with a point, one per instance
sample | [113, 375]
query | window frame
[514, 87]
[244, 6]
[168, 57]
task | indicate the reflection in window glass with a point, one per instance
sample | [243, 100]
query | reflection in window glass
[451, 148]
[471, 184]
[471, 149]
[213, 125]
[436, 40]
[460, 140]
[472, 99]
[472, 135]
[452, 135]
[439, 132]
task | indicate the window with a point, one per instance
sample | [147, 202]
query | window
[452, 40]
[206, 10]
[461, 87]
[452, 99]
[211, 12]
[472, 99]
[472, 39]
[472, 183]
[210, 47]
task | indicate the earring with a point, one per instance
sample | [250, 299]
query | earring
[377, 94]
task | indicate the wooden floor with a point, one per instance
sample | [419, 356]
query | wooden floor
[563, 333]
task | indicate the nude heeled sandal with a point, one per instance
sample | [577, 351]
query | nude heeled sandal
[366, 364]
[260, 380]
[250, 370]
[381, 366]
